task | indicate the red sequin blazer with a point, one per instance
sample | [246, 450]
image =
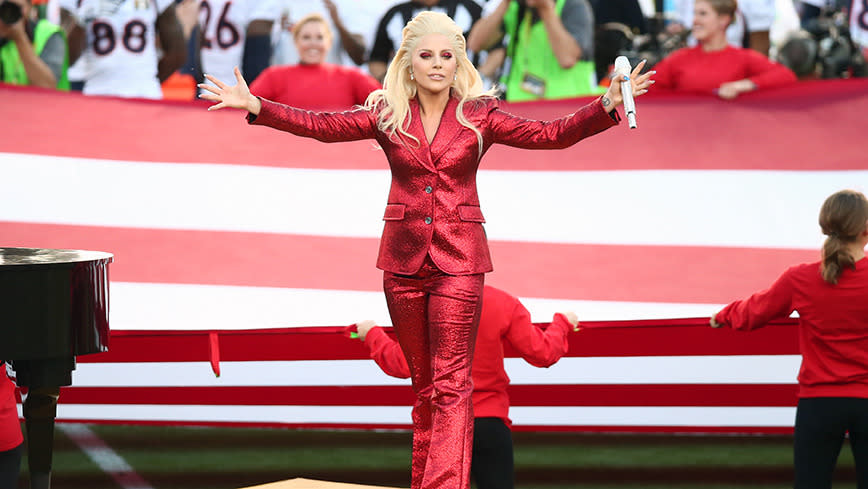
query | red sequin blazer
[433, 208]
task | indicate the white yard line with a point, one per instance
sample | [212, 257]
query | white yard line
[105, 458]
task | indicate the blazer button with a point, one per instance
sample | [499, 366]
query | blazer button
[428, 220]
[428, 189]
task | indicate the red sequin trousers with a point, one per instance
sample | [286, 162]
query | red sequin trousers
[435, 316]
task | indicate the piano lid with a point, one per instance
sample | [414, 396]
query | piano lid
[43, 256]
[53, 303]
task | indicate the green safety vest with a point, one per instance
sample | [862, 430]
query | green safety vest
[531, 54]
[13, 69]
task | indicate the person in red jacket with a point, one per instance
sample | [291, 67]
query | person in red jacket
[714, 66]
[11, 439]
[831, 297]
[504, 318]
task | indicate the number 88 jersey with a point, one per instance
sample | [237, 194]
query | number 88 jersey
[121, 52]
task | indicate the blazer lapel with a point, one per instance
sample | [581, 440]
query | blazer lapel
[422, 151]
[449, 129]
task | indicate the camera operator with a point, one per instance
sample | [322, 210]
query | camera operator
[31, 53]
[549, 47]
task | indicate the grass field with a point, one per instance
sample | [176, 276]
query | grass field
[228, 458]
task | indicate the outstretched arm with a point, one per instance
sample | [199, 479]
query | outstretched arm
[760, 308]
[383, 349]
[329, 127]
[540, 348]
[591, 119]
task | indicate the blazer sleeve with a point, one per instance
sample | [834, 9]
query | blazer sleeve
[328, 127]
[540, 348]
[387, 353]
[760, 308]
[512, 130]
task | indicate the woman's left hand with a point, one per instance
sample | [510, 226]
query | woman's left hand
[639, 83]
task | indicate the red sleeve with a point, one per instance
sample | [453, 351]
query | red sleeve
[540, 348]
[760, 308]
[328, 127]
[512, 130]
[387, 353]
[765, 73]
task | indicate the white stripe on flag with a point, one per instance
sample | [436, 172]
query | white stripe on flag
[723, 369]
[522, 415]
[618, 207]
[654, 416]
[190, 307]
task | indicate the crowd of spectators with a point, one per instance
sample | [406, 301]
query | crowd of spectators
[528, 49]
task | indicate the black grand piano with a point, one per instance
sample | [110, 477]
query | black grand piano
[53, 307]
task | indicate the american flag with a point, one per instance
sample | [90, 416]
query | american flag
[251, 249]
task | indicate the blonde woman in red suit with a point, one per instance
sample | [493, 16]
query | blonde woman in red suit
[434, 123]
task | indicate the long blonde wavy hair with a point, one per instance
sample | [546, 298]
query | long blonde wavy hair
[393, 100]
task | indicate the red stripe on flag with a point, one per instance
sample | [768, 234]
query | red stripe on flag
[632, 338]
[674, 127]
[755, 430]
[338, 263]
[665, 395]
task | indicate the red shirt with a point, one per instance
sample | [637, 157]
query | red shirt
[314, 87]
[833, 326]
[503, 318]
[695, 70]
[10, 427]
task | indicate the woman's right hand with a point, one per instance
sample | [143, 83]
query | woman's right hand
[237, 96]
[638, 82]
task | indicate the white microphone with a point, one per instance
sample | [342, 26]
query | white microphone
[622, 69]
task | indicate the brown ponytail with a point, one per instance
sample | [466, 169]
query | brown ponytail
[842, 219]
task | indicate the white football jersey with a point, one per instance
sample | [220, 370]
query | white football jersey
[121, 52]
[859, 22]
[224, 24]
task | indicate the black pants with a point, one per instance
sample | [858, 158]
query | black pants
[10, 465]
[492, 466]
[821, 424]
